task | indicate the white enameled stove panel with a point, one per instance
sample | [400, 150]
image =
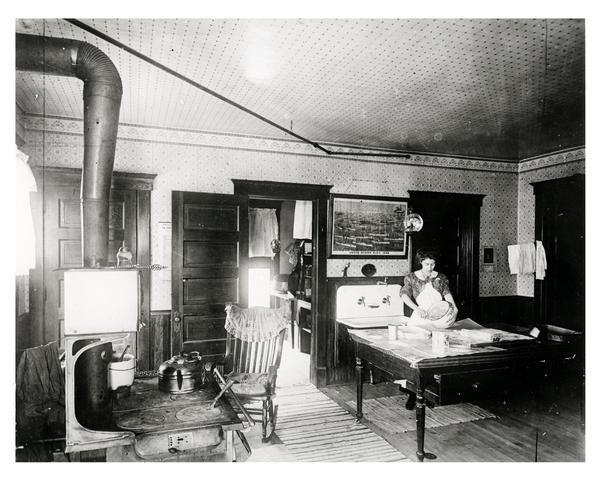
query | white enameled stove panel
[101, 301]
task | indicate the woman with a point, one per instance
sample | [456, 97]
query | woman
[423, 291]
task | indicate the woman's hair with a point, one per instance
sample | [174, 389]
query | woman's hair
[424, 253]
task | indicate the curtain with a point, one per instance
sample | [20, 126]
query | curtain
[25, 241]
[263, 229]
[303, 219]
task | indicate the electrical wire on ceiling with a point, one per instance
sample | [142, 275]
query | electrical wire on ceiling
[199, 86]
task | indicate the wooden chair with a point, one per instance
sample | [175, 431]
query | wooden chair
[250, 369]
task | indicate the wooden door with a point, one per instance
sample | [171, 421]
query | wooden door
[58, 234]
[451, 226]
[560, 225]
[205, 269]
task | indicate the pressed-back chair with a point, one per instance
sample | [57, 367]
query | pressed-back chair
[250, 369]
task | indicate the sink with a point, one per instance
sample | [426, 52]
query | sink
[369, 305]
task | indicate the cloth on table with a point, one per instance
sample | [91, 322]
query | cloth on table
[256, 324]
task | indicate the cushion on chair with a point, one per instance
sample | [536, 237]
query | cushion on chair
[250, 384]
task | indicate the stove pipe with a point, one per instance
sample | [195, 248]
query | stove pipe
[102, 91]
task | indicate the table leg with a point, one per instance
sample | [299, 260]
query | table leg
[294, 319]
[359, 392]
[420, 417]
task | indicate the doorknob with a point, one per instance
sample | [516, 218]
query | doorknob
[176, 321]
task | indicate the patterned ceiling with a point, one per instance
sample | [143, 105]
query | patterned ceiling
[501, 89]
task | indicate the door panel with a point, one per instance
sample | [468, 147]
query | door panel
[209, 254]
[209, 290]
[206, 269]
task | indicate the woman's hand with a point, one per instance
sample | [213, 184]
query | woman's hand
[422, 313]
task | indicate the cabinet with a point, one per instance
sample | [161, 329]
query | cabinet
[305, 259]
[303, 298]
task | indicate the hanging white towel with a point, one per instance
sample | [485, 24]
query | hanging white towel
[513, 259]
[540, 261]
[303, 219]
[522, 258]
[527, 258]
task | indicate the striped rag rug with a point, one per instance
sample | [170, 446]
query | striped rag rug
[316, 429]
[390, 414]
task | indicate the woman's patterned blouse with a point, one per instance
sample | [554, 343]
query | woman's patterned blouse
[413, 285]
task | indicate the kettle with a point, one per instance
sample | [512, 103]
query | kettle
[183, 373]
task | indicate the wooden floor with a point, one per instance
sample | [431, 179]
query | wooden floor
[546, 427]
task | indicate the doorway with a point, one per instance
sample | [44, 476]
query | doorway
[300, 262]
[560, 226]
[451, 226]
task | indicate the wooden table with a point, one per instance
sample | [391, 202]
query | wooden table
[448, 379]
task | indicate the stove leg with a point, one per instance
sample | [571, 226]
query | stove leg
[230, 445]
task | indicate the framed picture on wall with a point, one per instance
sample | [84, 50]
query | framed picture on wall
[364, 226]
[488, 254]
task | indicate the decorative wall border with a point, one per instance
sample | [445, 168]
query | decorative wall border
[220, 140]
[551, 160]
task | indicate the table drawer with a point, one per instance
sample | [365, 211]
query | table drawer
[449, 388]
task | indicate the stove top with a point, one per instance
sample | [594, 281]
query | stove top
[149, 410]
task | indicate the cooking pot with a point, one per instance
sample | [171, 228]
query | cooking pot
[183, 373]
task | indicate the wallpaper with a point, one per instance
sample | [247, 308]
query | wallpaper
[182, 162]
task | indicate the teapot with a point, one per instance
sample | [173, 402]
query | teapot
[183, 373]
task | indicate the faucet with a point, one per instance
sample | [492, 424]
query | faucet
[379, 282]
[387, 300]
[346, 267]
[361, 301]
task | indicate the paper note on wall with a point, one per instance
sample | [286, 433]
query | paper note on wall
[164, 251]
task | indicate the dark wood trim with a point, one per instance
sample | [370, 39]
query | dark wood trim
[279, 190]
[319, 195]
[160, 340]
[120, 180]
[175, 334]
[244, 246]
[144, 258]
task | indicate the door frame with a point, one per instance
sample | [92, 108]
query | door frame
[547, 193]
[319, 195]
[470, 206]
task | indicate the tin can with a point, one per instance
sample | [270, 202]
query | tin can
[440, 342]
